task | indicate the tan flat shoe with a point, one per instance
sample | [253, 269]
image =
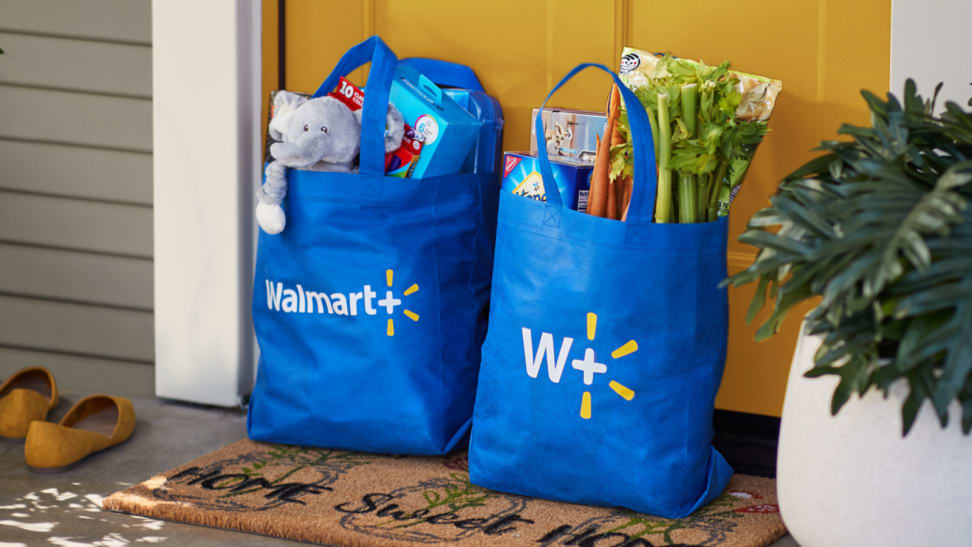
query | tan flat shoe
[26, 396]
[93, 424]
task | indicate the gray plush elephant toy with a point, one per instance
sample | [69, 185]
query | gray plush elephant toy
[319, 134]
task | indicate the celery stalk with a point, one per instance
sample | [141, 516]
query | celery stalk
[702, 203]
[687, 191]
[654, 128]
[690, 102]
[663, 203]
[686, 198]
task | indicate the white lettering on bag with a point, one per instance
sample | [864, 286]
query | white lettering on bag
[545, 348]
[273, 296]
[297, 300]
[321, 299]
[289, 301]
[369, 295]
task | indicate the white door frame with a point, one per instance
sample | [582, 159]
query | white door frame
[929, 43]
[206, 107]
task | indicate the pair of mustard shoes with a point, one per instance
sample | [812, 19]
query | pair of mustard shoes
[94, 423]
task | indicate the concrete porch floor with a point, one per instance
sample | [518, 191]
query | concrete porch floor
[64, 508]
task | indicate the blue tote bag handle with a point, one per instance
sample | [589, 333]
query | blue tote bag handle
[645, 178]
[445, 73]
[380, 76]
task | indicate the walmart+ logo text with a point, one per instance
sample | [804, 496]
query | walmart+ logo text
[296, 299]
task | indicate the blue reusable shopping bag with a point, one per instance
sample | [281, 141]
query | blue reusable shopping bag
[369, 307]
[605, 349]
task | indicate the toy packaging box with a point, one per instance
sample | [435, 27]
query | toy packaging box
[447, 131]
[521, 176]
[571, 134]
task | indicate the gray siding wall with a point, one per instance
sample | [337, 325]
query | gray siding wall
[76, 192]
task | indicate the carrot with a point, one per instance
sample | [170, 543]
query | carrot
[625, 202]
[622, 187]
[601, 190]
[597, 198]
[612, 202]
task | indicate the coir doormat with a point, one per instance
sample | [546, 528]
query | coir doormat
[346, 498]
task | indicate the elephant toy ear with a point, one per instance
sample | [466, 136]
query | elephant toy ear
[358, 114]
[394, 128]
[276, 127]
[285, 103]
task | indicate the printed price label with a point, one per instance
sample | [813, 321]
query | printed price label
[349, 94]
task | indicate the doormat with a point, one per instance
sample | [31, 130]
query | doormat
[347, 498]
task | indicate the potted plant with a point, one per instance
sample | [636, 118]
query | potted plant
[879, 231]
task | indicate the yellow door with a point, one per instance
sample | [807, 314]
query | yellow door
[824, 51]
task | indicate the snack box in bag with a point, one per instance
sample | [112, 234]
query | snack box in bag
[521, 176]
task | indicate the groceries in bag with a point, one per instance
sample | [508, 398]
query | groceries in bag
[448, 132]
[521, 176]
[323, 134]
[707, 122]
[461, 84]
[402, 149]
[571, 134]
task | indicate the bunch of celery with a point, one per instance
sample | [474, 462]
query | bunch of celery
[698, 138]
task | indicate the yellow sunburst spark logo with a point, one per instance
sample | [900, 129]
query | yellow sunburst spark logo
[627, 348]
[390, 301]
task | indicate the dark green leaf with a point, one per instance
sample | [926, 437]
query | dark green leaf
[758, 301]
[912, 404]
[841, 394]
[966, 400]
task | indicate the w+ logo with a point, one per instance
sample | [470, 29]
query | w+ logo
[588, 366]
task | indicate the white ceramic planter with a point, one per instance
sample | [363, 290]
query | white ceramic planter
[851, 479]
